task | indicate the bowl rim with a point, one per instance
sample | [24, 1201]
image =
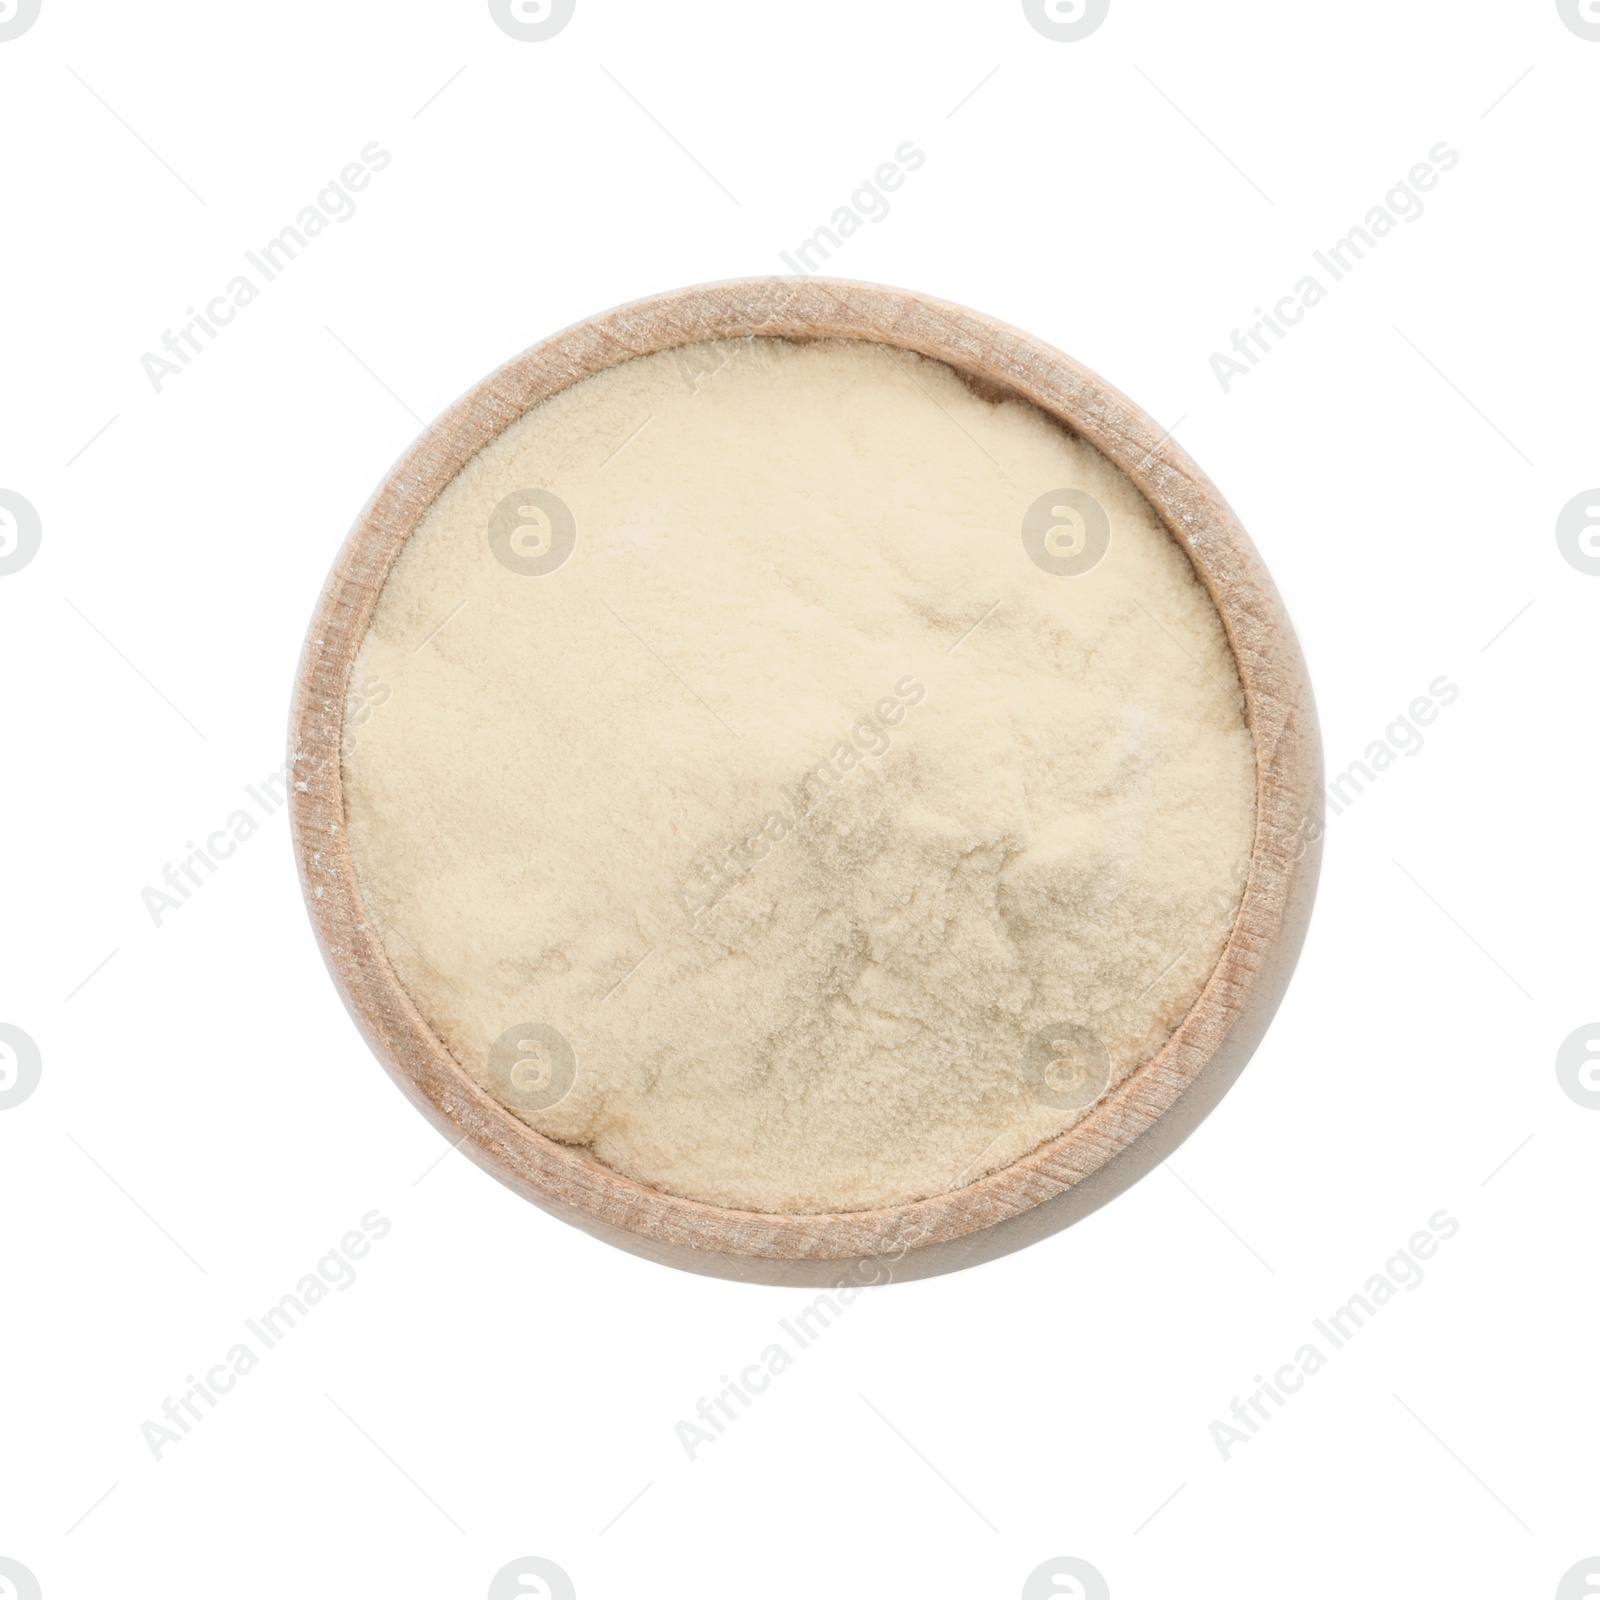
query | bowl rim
[1250, 974]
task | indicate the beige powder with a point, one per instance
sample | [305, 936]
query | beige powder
[743, 803]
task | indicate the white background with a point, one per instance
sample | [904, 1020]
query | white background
[497, 1384]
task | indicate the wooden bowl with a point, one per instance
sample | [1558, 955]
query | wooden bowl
[1132, 1128]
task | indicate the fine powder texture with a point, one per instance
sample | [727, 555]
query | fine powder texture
[801, 779]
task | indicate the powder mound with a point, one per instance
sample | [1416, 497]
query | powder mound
[796, 779]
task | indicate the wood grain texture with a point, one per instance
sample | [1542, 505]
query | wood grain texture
[1127, 1132]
